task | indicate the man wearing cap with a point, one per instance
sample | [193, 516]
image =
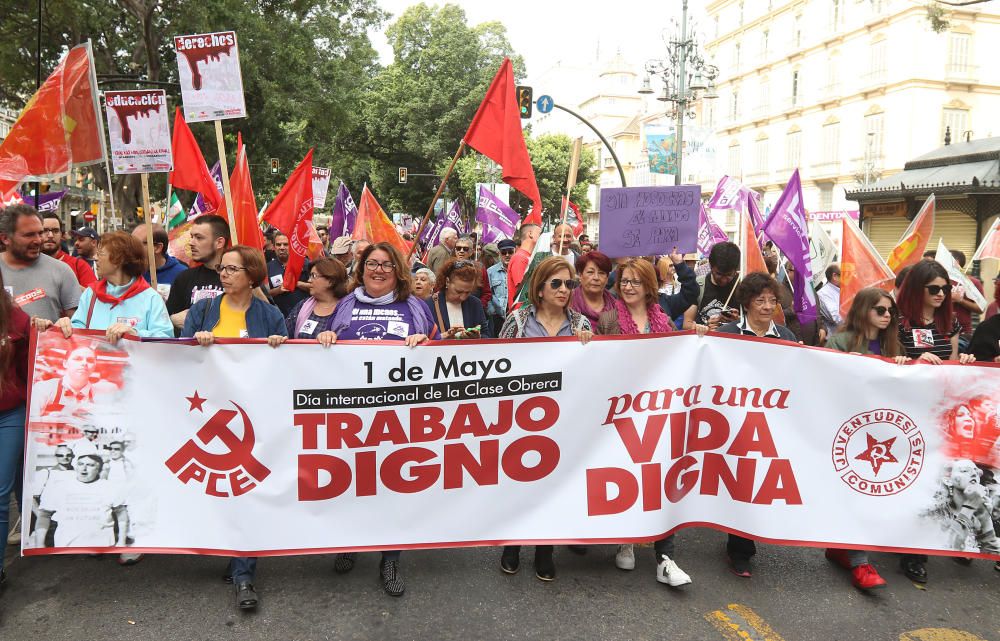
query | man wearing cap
[341, 250]
[85, 244]
[52, 233]
[496, 311]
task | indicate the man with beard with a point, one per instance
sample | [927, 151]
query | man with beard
[40, 285]
[284, 299]
[52, 233]
[209, 238]
[85, 244]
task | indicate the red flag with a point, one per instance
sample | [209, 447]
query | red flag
[374, 225]
[291, 211]
[860, 265]
[244, 204]
[572, 217]
[990, 247]
[60, 127]
[911, 247]
[751, 258]
[190, 171]
[496, 133]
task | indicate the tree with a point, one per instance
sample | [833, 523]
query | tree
[419, 107]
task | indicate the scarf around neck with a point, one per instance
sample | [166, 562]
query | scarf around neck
[100, 289]
[658, 321]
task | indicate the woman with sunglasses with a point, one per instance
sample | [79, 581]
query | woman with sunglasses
[871, 327]
[465, 248]
[454, 306]
[592, 297]
[237, 313]
[313, 316]
[637, 311]
[380, 306]
[928, 329]
[548, 314]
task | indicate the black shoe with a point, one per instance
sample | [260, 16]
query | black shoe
[392, 578]
[578, 549]
[510, 560]
[545, 567]
[343, 562]
[246, 596]
[962, 560]
[3, 578]
[914, 569]
[227, 578]
[740, 567]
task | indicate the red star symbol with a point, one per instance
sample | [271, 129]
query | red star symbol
[196, 402]
[878, 452]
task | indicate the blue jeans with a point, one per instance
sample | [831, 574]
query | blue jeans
[242, 568]
[11, 463]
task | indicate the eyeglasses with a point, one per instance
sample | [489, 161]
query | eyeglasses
[506, 252]
[463, 249]
[882, 310]
[230, 269]
[556, 283]
[765, 301]
[934, 290]
[375, 266]
[628, 282]
[54, 232]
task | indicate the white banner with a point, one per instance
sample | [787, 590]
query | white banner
[321, 184]
[139, 129]
[240, 448]
[208, 65]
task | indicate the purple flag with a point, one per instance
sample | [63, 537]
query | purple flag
[431, 231]
[708, 233]
[753, 209]
[46, 202]
[729, 194]
[200, 206]
[345, 212]
[499, 221]
[452, 219]
[787, 229]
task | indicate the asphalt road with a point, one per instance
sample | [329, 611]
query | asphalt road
[795, 595]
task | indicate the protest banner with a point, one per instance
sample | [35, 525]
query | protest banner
[643, 221]
[208, 66]
[321, 184]
[386, 447]
[139, 130]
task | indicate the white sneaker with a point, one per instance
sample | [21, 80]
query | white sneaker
[625, 559]
[14, 534]
[668, 572]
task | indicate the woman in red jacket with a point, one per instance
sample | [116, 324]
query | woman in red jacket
[13, 393]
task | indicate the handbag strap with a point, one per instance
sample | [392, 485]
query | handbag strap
[90, 310]
[437, 310]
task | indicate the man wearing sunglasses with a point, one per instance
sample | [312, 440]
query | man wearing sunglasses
[465, 249]
[496, 275]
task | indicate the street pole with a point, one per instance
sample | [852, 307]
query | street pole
[681, 94]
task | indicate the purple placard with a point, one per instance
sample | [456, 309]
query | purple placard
[645, 221]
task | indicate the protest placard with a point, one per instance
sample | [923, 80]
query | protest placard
[139, 128]
[321, 184]
[211, 82]
[645, 221]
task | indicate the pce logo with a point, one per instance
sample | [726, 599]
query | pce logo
[878, 453]
[232, 472]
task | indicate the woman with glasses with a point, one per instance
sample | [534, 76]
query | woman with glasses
[453, 304]
[871, 327]
[313, 316]
[548, 314]
[592, 297]
[237, 313]
[380, 306]
[121, 302]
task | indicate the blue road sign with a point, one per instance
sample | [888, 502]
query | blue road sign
[544, 104]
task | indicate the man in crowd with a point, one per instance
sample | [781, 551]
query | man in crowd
[85, 244]
[168, 268]
[70, 395]
[496, 276]
[52, 232]
[284, 299]
[527, 238]
[562, 241]
[324, 237]
[829, 300]
[714, 307]
[40, 285]
[341, 250]
[465, 249]
[119, 467]
[86, 508]
[358, 248]
[209, 237]
[440, 253]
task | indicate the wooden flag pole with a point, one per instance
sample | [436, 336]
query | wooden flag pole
[430, 210]
[150, 251]
[224, 167]
[574, 166]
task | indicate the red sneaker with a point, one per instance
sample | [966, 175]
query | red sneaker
[865, 577]
[839, 557]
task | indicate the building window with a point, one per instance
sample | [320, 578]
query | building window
[764, 37]
[710, 113]
[716, 27]
[734, 111]
[735, 162]
[958, 52]
[798, 31]
[795, 87]
[836, 13]
[831, 142]
[793, 149]
[958, 122]
[764, 104]
[736, 57]
[741, 13]
[876, 62]
[760, 156]
[826, 196]
[874, 124]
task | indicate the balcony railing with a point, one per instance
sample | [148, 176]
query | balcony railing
[873, 79]
[961, 72]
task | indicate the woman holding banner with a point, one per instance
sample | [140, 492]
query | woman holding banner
[592, 297]
[313, 316]
[15, 329]
[549, 314]
[237, 313]
[386, 310]
[459, 314]
[637, 311]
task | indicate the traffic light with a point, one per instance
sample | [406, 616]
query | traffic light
[274, 165]
[402, 175]
[524, 101]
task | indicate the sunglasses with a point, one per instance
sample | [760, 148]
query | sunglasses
[934, 290]
[556, 283]
[882, 310]
[463, 249]
[507, 252]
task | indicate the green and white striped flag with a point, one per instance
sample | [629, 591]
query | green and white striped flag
[175, 214]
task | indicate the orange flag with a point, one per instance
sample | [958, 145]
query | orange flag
[990, 247]
[752, 259]
[374, 225]
[291, 211]
[244, 204]
[911, 247]
[860, 265]
[60, 128]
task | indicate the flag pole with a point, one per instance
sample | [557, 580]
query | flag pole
[100, 123]
[150, 252]
[224, 167]
[440, 189]
[574, 166]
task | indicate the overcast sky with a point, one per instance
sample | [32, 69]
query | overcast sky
[546, 32]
